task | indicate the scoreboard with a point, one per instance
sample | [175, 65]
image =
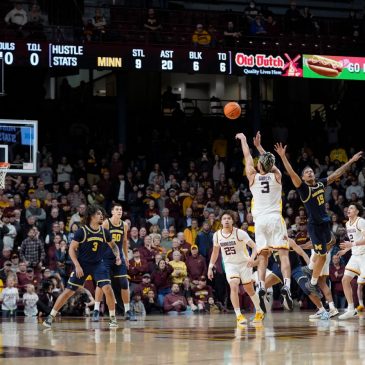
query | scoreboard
[148, 58]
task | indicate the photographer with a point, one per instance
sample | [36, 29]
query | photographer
[79, 304]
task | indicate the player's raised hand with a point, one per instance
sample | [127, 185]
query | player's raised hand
[356, 157]
[280, 149]
[241, 137]
[257, 140]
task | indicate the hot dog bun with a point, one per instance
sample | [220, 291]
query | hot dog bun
[324, 66]
[324, 71]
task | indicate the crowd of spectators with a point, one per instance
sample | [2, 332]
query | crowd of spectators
[172, 211]
[28, 20]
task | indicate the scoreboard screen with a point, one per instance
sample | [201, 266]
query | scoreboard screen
[148, 58]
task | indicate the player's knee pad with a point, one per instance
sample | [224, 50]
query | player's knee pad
[123, 283]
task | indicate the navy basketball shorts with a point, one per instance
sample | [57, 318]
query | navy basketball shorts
[320, 235]
[98, 272]
[114, 270]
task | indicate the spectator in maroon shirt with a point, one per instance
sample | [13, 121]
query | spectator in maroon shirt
[6, 256]
[174, 302]
[106, 188]
[137, 268]
[336, 274]
[175, 246]
[173, 205]
[145, 286]
[22, 272]
[148, 253]
[29, 278]
[201, 293]
[161, 277]
[196, 264]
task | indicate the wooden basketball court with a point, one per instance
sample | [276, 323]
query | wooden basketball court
[285, 338]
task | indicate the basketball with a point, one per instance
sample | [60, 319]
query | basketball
[232, 110]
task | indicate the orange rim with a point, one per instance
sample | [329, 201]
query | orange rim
[4, 164]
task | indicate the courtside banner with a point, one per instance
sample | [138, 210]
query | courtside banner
[334, 67]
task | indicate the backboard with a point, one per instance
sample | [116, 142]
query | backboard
[19, 145]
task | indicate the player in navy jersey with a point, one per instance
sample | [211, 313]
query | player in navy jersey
[119, 273]
[311, 192]
[86, 252]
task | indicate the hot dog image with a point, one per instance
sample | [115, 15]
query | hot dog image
[324, 66]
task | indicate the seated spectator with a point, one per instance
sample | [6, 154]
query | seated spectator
[79, 215]
[191, 233]
[196, 264]
[9, 298]
[180, 271]
[137, 268]
[201, 293]
[150, 303]
[354, 188]
[174, 302]
[94, 196]
[272, 28]
[232, 37]
[161, 277]
[134, 240]
[147, 252]
[214, 307]
[99, 26]
[175, 246]
[257, 27]
[137, 306]
[145, 286]
[30, 299]
[201, 37]
[17, 18]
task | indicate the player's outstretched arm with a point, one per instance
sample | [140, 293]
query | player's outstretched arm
[125, 244]
[250, 167]
[341, 170]
[298, 250]
[281, 151]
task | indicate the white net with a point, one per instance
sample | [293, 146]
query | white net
[4, 166]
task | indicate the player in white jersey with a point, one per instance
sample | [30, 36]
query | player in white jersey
[270, 228]
[355, 228]
[237, 262]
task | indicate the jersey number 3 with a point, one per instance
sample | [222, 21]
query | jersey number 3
[95, 246]
[265, 187]
[229, 251]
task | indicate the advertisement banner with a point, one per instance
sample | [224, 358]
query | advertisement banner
[334, 67]
[268, 65]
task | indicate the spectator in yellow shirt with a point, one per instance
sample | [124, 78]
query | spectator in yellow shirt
[191, 233]
[201, 37]
[180, 270]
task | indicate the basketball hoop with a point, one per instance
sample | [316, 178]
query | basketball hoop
[4, 166]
